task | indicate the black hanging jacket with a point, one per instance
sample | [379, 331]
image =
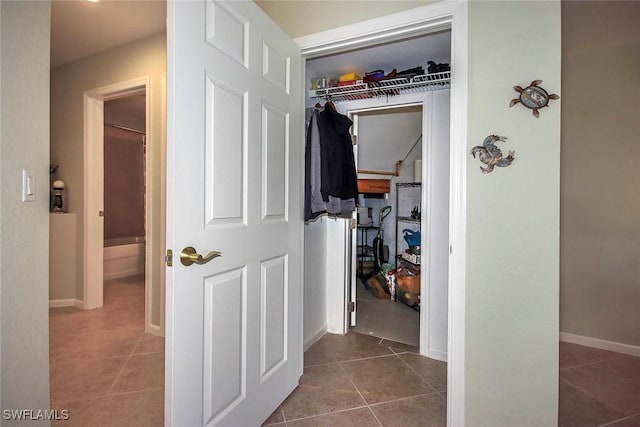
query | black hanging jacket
[339, 178]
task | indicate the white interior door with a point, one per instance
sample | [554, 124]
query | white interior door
[352, 239]
[234, 326]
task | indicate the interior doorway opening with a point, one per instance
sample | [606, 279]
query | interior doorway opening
[389, 159]
[406, 62]
[100, 110]
[124, 186]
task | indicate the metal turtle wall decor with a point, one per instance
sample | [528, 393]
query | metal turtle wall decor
[491, 155]
[533, 97]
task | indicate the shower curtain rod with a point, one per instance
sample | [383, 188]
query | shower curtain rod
[125, 128]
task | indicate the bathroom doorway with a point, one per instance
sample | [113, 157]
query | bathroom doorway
[124, 186]
[108, 115]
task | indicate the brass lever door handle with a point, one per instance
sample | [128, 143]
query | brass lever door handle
[189, 256]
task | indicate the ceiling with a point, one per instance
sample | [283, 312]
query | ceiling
[80, 28]
[386, 136]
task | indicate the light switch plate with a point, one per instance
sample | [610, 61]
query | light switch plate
[28, 186]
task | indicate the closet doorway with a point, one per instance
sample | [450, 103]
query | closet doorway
[402, 154]
[388, 153]
[331, 243]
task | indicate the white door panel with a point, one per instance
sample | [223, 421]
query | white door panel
[352, 240]
[234, 167]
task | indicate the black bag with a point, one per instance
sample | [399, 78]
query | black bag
[380, 255]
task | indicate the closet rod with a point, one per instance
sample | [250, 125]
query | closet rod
[125, 128]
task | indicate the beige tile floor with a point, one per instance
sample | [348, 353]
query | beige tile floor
[598, 388]
[360, 380]
[105, 370]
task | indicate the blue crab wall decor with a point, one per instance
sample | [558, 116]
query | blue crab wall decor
[533, 97]
[491, 155]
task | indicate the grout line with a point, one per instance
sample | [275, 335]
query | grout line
[135, 391]
[418, 375]
[367, 358]
[357, 389]
[591, 363]
[329, 413]
[404, 398]
[375, 416]
[618, 420]
[398, 352]
[148, 352]
[589, 394]
[109, 393]
[346, 374]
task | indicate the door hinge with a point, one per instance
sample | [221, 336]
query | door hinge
[352, 307]
[354, 139]
[168, 258]
[353, 224]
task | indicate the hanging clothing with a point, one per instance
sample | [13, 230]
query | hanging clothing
[330, 175]
[314, 205]
[339, 177]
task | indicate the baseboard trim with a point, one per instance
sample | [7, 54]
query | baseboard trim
[315, 338]
[154, 330]
[632, 350]
[437, 355]
[56, 303]
[66, 302]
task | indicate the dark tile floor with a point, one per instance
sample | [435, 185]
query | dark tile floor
[598, 388]
[360, 380]
[106, 371]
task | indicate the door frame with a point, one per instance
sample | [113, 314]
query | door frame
[451, 15]
[93, 235]
[422, 100]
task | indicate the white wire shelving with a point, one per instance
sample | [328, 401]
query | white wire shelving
[391, 87]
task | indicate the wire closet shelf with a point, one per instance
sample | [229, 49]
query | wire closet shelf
[391, 87]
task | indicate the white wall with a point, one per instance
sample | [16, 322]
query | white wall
[315, 279]
[146, 57]
[513, 219]
[600, 215]
[24, 227]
